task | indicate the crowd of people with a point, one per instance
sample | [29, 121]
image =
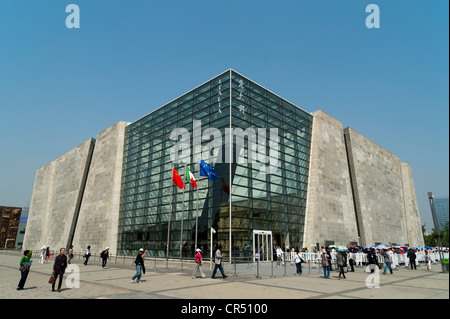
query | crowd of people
[329, 257]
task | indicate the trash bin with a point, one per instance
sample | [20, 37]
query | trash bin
[446, 264]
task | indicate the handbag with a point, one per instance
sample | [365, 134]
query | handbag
[52, 279]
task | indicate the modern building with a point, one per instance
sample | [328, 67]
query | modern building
[289, 177]
[442, 214]
[22, 227]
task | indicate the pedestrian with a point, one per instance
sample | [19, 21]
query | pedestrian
[218, 263]
[372, 260]
[104, 255]
[139, 261]
[394, 258]
[351, 260]
[59, 268]
[298, 263]
[387, 261]
[87, 254]
[325, 265]
[412, 259]
[42, 255]
[71, 255]
[274, 252]
[198, 264]
[279, 256]
[25, 264]
[47, 255]
[329, 259]
[340, 261]
[292, 256]
[428, 260]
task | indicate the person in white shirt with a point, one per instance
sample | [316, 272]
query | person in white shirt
[279, 256]
[298, 263]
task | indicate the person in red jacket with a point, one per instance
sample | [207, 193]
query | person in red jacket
[198, 264]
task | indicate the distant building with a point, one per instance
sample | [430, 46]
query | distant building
[22, 226]
[9, 224]
[441, 206]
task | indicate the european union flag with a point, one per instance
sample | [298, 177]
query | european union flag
[206, 170]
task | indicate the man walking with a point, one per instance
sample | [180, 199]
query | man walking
[298, 263]
[105, 256]
[372, 260]
[139, 266]
[340, 263]
[412, 258]
[59, 268]
[387, 261]
[218, 263]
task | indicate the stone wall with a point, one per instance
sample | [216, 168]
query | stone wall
[98, 220]
[330, 214]
[56, 198]
[377, 180]
[411, 209]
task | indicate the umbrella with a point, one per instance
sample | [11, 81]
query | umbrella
[427, 247]
[342, 248]
[381, 247]
[370, 246]
[332, 246]
[404, 247]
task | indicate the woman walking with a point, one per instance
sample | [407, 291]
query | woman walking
[59, 267]
[25, 264]
[325, 265]
[42, 255]
[87, 254]
[428, 260]
[198, 265]
[47, 255]
[71, 254]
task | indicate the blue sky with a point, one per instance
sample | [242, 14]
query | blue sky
[60, 86]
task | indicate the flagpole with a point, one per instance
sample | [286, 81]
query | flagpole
[182, 219]
[231, 153]
[168, 222]
[196, 215]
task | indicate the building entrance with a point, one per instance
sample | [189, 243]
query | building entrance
[262, 245]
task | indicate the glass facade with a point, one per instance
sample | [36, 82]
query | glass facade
[441, 206]
[272, 200]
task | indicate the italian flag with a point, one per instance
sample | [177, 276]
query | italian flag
[190, 177]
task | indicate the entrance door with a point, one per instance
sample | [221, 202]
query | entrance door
[262, 245]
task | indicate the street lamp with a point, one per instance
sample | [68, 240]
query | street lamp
[436, 228]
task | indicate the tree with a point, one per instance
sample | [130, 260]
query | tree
[431, 239]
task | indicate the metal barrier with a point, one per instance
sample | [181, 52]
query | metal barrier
[313, 264]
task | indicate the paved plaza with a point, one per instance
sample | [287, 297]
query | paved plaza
[176, 283]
